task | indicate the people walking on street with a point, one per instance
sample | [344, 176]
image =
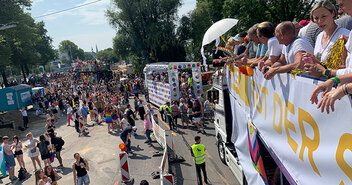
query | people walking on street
[80, 170]
[148, 128]
[9, 157]
[168, 113]
[161, 111]
[196, 111]
[43, 146]
[99, 104]
[141, 109]
[124, 123]
[17, 145]
[130, 115]
[58, 143]
[126, 136]
[108, 118]
[198, 152]
[69, 114]
[175, 113]
[76, 118]
[183, 112]
[24, 117]
[33, 151]
[84, 112]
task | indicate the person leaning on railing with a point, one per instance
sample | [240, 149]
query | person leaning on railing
[329, 96]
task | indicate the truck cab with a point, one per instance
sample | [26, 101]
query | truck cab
[219, 94]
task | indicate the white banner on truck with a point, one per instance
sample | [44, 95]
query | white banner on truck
[313, 147]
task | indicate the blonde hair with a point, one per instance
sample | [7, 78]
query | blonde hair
[266, 29]
[324, 4]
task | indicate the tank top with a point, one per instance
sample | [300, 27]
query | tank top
[80, 171]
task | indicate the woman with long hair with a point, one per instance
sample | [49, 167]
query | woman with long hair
[50, 172]
[80, 168]
[43, 146]
[17, 145]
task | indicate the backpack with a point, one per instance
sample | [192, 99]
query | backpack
[60, 141]
[43, 148]
[21, 174]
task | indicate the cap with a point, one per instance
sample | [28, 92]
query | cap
[303, 23]
[235, 38]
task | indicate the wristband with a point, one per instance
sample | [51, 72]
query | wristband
[327, 73]
[323, 65]
[345, 89]
[337, 79]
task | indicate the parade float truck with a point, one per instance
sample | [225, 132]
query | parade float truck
[268, 132]
[160, 92]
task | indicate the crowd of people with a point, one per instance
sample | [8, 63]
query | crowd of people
[310, 47]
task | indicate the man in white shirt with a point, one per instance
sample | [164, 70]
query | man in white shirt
[69, 114]
[293, 49]
[25, 117]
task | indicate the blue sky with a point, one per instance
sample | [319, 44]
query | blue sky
[86, 26]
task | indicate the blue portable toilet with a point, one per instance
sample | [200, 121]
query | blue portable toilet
[15, 97]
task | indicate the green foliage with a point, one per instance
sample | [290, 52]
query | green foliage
[70, 51]
[88, 56]
[107, 55]
[146, 29]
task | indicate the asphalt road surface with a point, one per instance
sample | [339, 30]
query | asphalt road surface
[102, 153]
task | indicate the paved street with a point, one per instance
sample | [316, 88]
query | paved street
[101, 150]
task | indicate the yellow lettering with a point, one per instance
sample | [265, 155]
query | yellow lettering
[344, 144]
[265, 91]
[310, 144]
[341, 183]
[277, 99]
[290, 126]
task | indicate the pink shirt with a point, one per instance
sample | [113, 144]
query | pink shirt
[147, 124]
[7, 149]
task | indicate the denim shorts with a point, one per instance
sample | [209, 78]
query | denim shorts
[83, 180]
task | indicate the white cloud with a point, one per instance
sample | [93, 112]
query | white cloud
[187, 6]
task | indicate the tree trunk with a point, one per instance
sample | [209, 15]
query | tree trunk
[4, 78]
[24, 74]
[26, 69]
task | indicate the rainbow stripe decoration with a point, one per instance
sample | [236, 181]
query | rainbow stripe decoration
[255, 151]
[225, 51]
[75, 69]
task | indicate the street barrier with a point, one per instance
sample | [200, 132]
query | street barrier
[95, 115]
[168, 179]
[159, 133]
[82, 126]
[124, 167]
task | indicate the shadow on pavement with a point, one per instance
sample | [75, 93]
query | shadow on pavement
[64, 170]
[139, 156]
[140, 137]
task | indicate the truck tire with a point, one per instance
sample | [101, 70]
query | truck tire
[221, 151]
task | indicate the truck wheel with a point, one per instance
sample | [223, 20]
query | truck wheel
[221, 150]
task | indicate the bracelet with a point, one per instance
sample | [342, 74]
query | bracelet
[327, 72]
[337, 79]
[323, 65]
[345, 89]
[335, 82]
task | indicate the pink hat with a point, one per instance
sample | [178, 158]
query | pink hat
[303, 23]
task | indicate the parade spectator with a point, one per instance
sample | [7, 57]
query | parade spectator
[17, 145]
[108, 118]
[24, 117]
[84, 112]
[43, 146]
[175, 113]
[198, 152]
[33, 151]
[161, 111]
[183, 113]
[40, 178]
[58, 143]
[126, 136]
[168, 113]
[196, 112]
[52, 174]
[292, 51]
[124, 123]
[148, 128]
[141, 109]
[9, 157]
[80, 170]
[144, 182]
[69, 114]
[130, 115]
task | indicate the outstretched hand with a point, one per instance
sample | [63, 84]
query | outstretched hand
[324, 88]
[329, 99]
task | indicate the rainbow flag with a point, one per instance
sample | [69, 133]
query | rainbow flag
[225, 51]
[2, 162]
[75, 69]
[255, 151]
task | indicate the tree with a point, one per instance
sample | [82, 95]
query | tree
[89, 56]
[150, 27]
[70, 51]
[44, 45]
[107, 55]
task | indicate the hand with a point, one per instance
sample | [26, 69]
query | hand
[330, 98]
[238, 63]
[270, 73]
[323, 87]
[344, 37]
[314, 69]
[311, 55]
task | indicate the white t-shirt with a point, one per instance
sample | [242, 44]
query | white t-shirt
[323, 49]
[24, 113]
[124, 123]
[299, 45]
[274, 48]
[69, 110]
[348, 68]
